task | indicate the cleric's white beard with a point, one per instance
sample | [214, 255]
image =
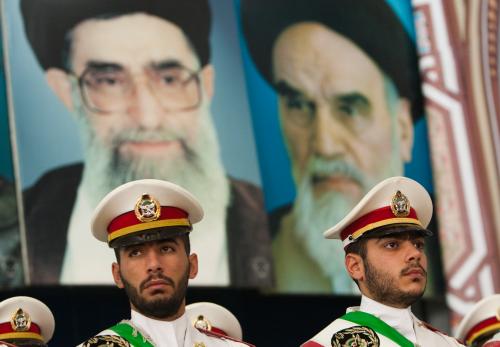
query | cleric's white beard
[200, 170]
[312, 217]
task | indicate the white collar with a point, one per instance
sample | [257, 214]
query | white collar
[161, 333]
[400, 319]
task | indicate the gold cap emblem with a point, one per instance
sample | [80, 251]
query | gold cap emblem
[20, 321]
[400, 205]
[147, 208]
[202, 323]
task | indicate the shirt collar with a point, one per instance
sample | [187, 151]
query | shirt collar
[400, 319]
[162, 333]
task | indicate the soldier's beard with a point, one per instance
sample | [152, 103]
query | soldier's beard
[385, 289]
[162, 307]
[198, 169]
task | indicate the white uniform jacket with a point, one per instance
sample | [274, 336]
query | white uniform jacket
[344, 332]
[155, 333]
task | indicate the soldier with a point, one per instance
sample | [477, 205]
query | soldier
[481, 326]
[147, 223]
[213, 317]
[25, 322]
[384, 239]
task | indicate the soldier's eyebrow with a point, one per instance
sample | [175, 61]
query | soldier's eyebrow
[130, 247]
[400, 236]
[169, 240]
[384, 238]
[379, 240]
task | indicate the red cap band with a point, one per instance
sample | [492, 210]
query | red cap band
[484, 326]
[128, 222]
[7, 332]
[375, 219]
[129, 218]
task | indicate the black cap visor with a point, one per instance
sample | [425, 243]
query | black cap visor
[149, 235]
[392, 229]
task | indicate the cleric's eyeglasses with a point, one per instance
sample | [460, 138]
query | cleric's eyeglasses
[108, 88]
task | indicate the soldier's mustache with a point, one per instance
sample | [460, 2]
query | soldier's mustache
[158, 278]
[412, 267]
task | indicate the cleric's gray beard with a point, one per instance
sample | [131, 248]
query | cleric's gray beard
[312, 217]
[199, 170]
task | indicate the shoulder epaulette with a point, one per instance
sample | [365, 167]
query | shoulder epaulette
[436, 330]
[222, 336]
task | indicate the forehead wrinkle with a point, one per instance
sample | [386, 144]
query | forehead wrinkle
[305, 77]
[116, 40]
[297, 75]
[319, 60]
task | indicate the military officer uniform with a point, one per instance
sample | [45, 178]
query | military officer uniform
[136, 213]
[141, 331]
[481, 325]
[396, 204]
[25, 321]
[382, 326]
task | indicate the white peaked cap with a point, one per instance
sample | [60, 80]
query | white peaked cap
[482, 319]
[24, 317]
[144, 205]
[395, 200]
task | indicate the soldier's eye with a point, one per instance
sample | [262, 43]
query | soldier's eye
[134, 253]
[419, 244]
[167, 249]
[391, 244]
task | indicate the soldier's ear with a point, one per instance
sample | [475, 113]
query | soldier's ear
[115, 269]
[193, 265]
[60, 83]
[355, 266]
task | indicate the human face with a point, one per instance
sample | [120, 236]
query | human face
[155, 276]
[342, 133]
[145, 140]
[395, 270]
[145, 128]
[117, 42]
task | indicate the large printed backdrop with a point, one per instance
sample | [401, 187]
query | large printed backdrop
[244, 110]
